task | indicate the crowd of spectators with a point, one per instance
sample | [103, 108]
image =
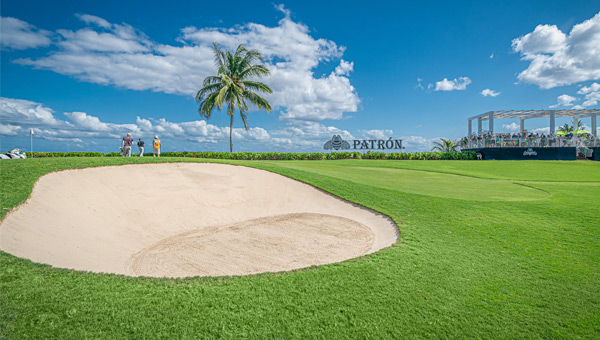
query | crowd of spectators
[528, 139]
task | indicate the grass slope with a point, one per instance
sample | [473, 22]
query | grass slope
[463, 268]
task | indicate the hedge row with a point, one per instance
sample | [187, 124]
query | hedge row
[466, 155]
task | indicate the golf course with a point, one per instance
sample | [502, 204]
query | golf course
[486, 250]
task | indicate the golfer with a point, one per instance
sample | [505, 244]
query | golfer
[126, 144]
[141, 147]
[157, 146]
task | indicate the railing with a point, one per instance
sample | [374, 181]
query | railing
[530, 142]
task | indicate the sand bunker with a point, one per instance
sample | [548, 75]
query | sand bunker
[187, 219]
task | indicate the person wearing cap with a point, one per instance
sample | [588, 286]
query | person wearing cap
[156, 146]
[126, 145]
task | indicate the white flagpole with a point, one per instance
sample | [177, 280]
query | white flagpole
[31, 141]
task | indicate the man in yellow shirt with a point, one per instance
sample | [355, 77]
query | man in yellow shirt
[156, 147]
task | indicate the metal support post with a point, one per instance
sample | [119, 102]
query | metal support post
[522, 125]
[469, 129]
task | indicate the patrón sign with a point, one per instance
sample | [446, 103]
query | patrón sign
[337, 143]
[529, 152]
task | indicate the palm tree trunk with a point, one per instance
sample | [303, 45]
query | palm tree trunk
[230, 133]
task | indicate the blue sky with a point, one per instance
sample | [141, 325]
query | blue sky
[84, 73]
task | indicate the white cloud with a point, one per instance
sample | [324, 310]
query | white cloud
[344, 68]
[451, 85]
[19, 35]
[511, 127]
[377, 134]
[558, 59]
[489, 93]
[88, 132]
[589, 103]
[10, 130]
[419, 84]
[544, 39]
[591, 94]
[313, 131]
[91, 19]
[18, 111]
[88, 40]
[282, 9]
[63, 139]
[564, 100]
[302, 97]
[417, 143]
[492, 56]
[544, 130]
[85, 130]
[19, 115]
[113, 54]
[594, 87]
[84, 121]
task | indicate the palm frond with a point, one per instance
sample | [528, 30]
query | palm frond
[254, 71]
[211, 80]
[219, 60]
[244, 119]
[207, 106]
[206, 90]
[229, 62]
[221, 95]
[240, 50]
[444, 145]
[257, 100]
[257, 86]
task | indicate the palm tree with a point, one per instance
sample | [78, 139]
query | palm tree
[444, 145]
[566, 128]
[231, 85]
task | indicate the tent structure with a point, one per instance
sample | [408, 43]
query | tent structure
[528, 114]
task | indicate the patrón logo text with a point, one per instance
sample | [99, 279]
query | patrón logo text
[337, 143]
[529, 152]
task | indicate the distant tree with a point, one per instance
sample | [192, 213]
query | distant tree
[231, 85]
[444, 145]
[566, 128]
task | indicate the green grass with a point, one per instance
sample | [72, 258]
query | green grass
[521, 263]
[424, 182]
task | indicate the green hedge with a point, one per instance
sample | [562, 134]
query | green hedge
[67, 154]
[466, 155]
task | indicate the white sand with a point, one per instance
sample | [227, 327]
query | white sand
[187, 219]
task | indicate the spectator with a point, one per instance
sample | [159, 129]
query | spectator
[140, 145]
[156, 146]
[126, 144]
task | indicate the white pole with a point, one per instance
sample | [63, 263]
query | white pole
[31, 141]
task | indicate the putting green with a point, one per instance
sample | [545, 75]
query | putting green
[427, 182]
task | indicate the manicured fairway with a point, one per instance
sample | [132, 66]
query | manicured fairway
[490, 250]
[426, 182]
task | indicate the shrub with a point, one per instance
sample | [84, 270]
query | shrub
[272, 156]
